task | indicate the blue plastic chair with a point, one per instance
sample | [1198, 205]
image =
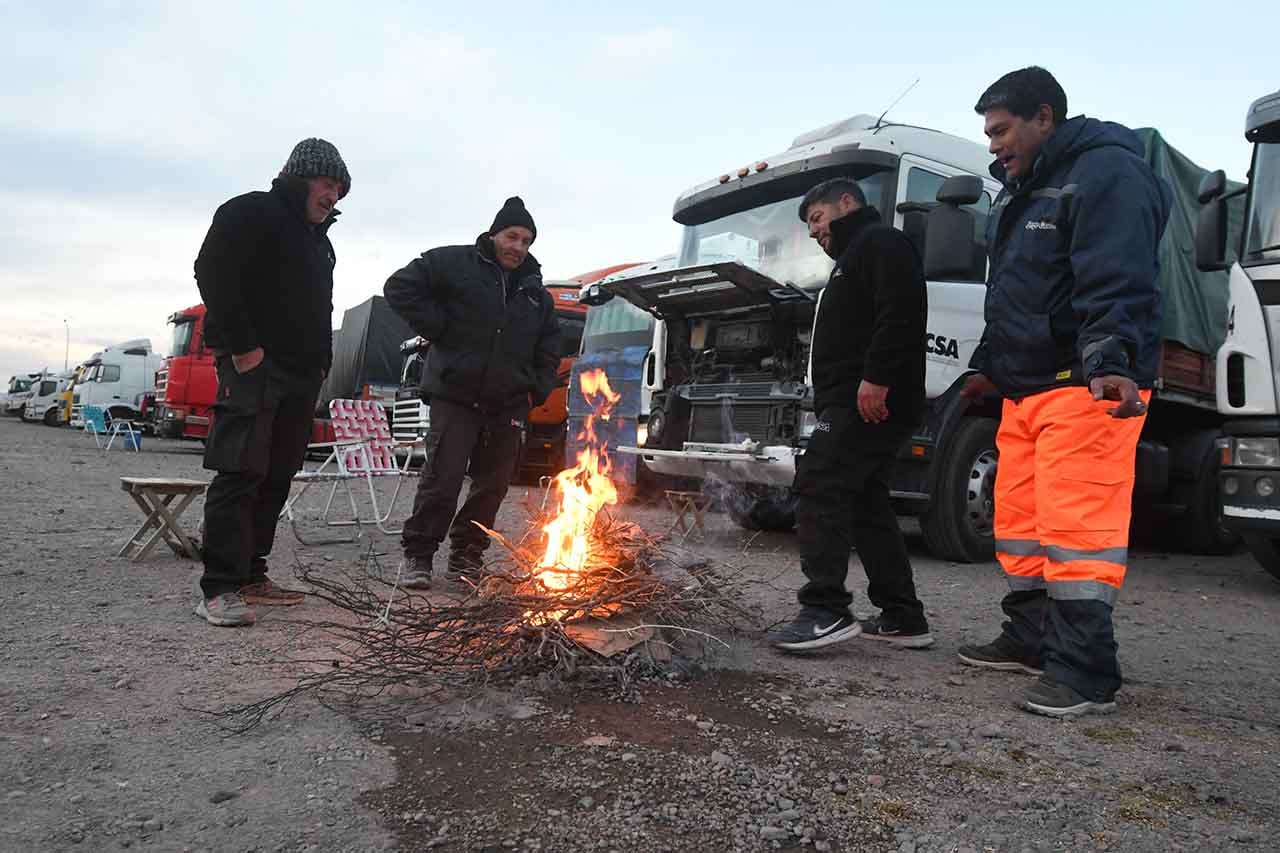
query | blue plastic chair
[103, 427]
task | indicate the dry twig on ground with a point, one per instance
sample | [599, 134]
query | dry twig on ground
[515, 621]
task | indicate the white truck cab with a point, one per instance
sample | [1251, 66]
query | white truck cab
[116, 379]
[45, 404]
[19, 392]
[729, 382]
[1248, 366]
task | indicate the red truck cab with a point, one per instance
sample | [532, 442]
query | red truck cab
[187, 384]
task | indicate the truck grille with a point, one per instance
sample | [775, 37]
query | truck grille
[162, 380]
[718, 424]
[409, 419]
[712, 390]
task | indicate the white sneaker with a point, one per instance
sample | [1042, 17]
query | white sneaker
[227, 610]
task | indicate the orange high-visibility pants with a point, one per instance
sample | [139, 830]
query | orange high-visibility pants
[1063, 492]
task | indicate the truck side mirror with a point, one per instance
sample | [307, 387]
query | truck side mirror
[594, 296]
[1211, 232]
[1212, 185]
[948, 248]
[960, 190]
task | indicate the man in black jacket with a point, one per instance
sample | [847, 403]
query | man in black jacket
[265, 273]
[494, 349]
[868, 383]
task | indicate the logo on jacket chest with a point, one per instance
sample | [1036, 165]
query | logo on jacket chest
[1041, 225]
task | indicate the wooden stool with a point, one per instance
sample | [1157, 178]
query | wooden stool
[690, 509]
[155, 496]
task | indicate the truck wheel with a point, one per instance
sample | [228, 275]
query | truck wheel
[763, 508]
[1204, 532]
[1266, 550]
[51, 417]
[960, 522]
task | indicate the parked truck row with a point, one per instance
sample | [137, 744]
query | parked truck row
[725, 376]
[709, 346]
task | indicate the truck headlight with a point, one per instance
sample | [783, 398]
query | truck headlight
[653, 429]
[642, 435]
[808, 423]
[1257, 452]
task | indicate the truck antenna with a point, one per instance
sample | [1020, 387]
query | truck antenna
[905, 92]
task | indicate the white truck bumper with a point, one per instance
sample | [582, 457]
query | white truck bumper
[769, 466]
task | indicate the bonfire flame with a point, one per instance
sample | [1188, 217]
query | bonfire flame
[581, 492]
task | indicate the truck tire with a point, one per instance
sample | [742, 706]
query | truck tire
[1266, 550]
[959, 524]
[51, 417]
[763, 508]
[1204, 532]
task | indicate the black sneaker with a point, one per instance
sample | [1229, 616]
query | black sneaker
[813, 629]
[882, 629]
[1001, 654]
[417, 573]
[1052, 699]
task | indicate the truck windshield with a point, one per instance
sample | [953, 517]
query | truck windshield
[1263, 227]
[17, 386]
[182, 332]
[770, 238]
[617, 323]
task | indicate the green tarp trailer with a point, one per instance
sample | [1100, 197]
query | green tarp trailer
[1195, 302]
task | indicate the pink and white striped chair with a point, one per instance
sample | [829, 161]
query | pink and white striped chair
[363, 450]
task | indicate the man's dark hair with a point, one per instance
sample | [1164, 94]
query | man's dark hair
[1022, 92]
[829, 192]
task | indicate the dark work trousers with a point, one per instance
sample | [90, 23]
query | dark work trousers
[843, 502]
[261, 426]
[459, 441]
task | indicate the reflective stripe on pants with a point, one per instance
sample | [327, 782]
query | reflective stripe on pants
[1063, 492]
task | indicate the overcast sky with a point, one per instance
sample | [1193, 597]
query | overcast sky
[124, 125]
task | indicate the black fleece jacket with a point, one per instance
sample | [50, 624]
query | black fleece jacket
[266, 277]
[495, 340]
[871, 323]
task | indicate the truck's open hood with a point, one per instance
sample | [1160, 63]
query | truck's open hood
[703, 290]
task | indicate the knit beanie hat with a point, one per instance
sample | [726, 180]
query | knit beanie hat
[316, 158]
[513, 213]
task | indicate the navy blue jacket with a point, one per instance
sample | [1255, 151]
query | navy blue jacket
[1071, 289]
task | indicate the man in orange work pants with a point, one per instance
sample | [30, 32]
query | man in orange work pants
[1071, 342]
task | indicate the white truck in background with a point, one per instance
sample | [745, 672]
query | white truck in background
[45, 404]
[729, 378]
[15, 398]
[116, 380]
[1249, 361]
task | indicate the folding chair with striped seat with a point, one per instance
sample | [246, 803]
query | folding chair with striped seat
[363, 450]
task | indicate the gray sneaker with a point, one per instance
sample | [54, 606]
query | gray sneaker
[227, 610]
[417, 573]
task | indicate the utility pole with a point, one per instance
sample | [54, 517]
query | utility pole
[66, 354]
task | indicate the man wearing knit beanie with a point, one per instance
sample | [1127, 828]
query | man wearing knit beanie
[265, 273]
[494, 348]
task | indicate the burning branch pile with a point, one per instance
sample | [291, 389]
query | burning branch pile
[581, 594]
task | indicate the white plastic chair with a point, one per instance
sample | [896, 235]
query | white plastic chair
[363, 450]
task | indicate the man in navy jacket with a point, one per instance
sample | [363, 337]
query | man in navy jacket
[1072, 342]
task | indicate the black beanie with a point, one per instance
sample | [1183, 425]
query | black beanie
[316, 158]
[513, 213]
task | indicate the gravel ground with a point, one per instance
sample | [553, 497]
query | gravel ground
[105, 673]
